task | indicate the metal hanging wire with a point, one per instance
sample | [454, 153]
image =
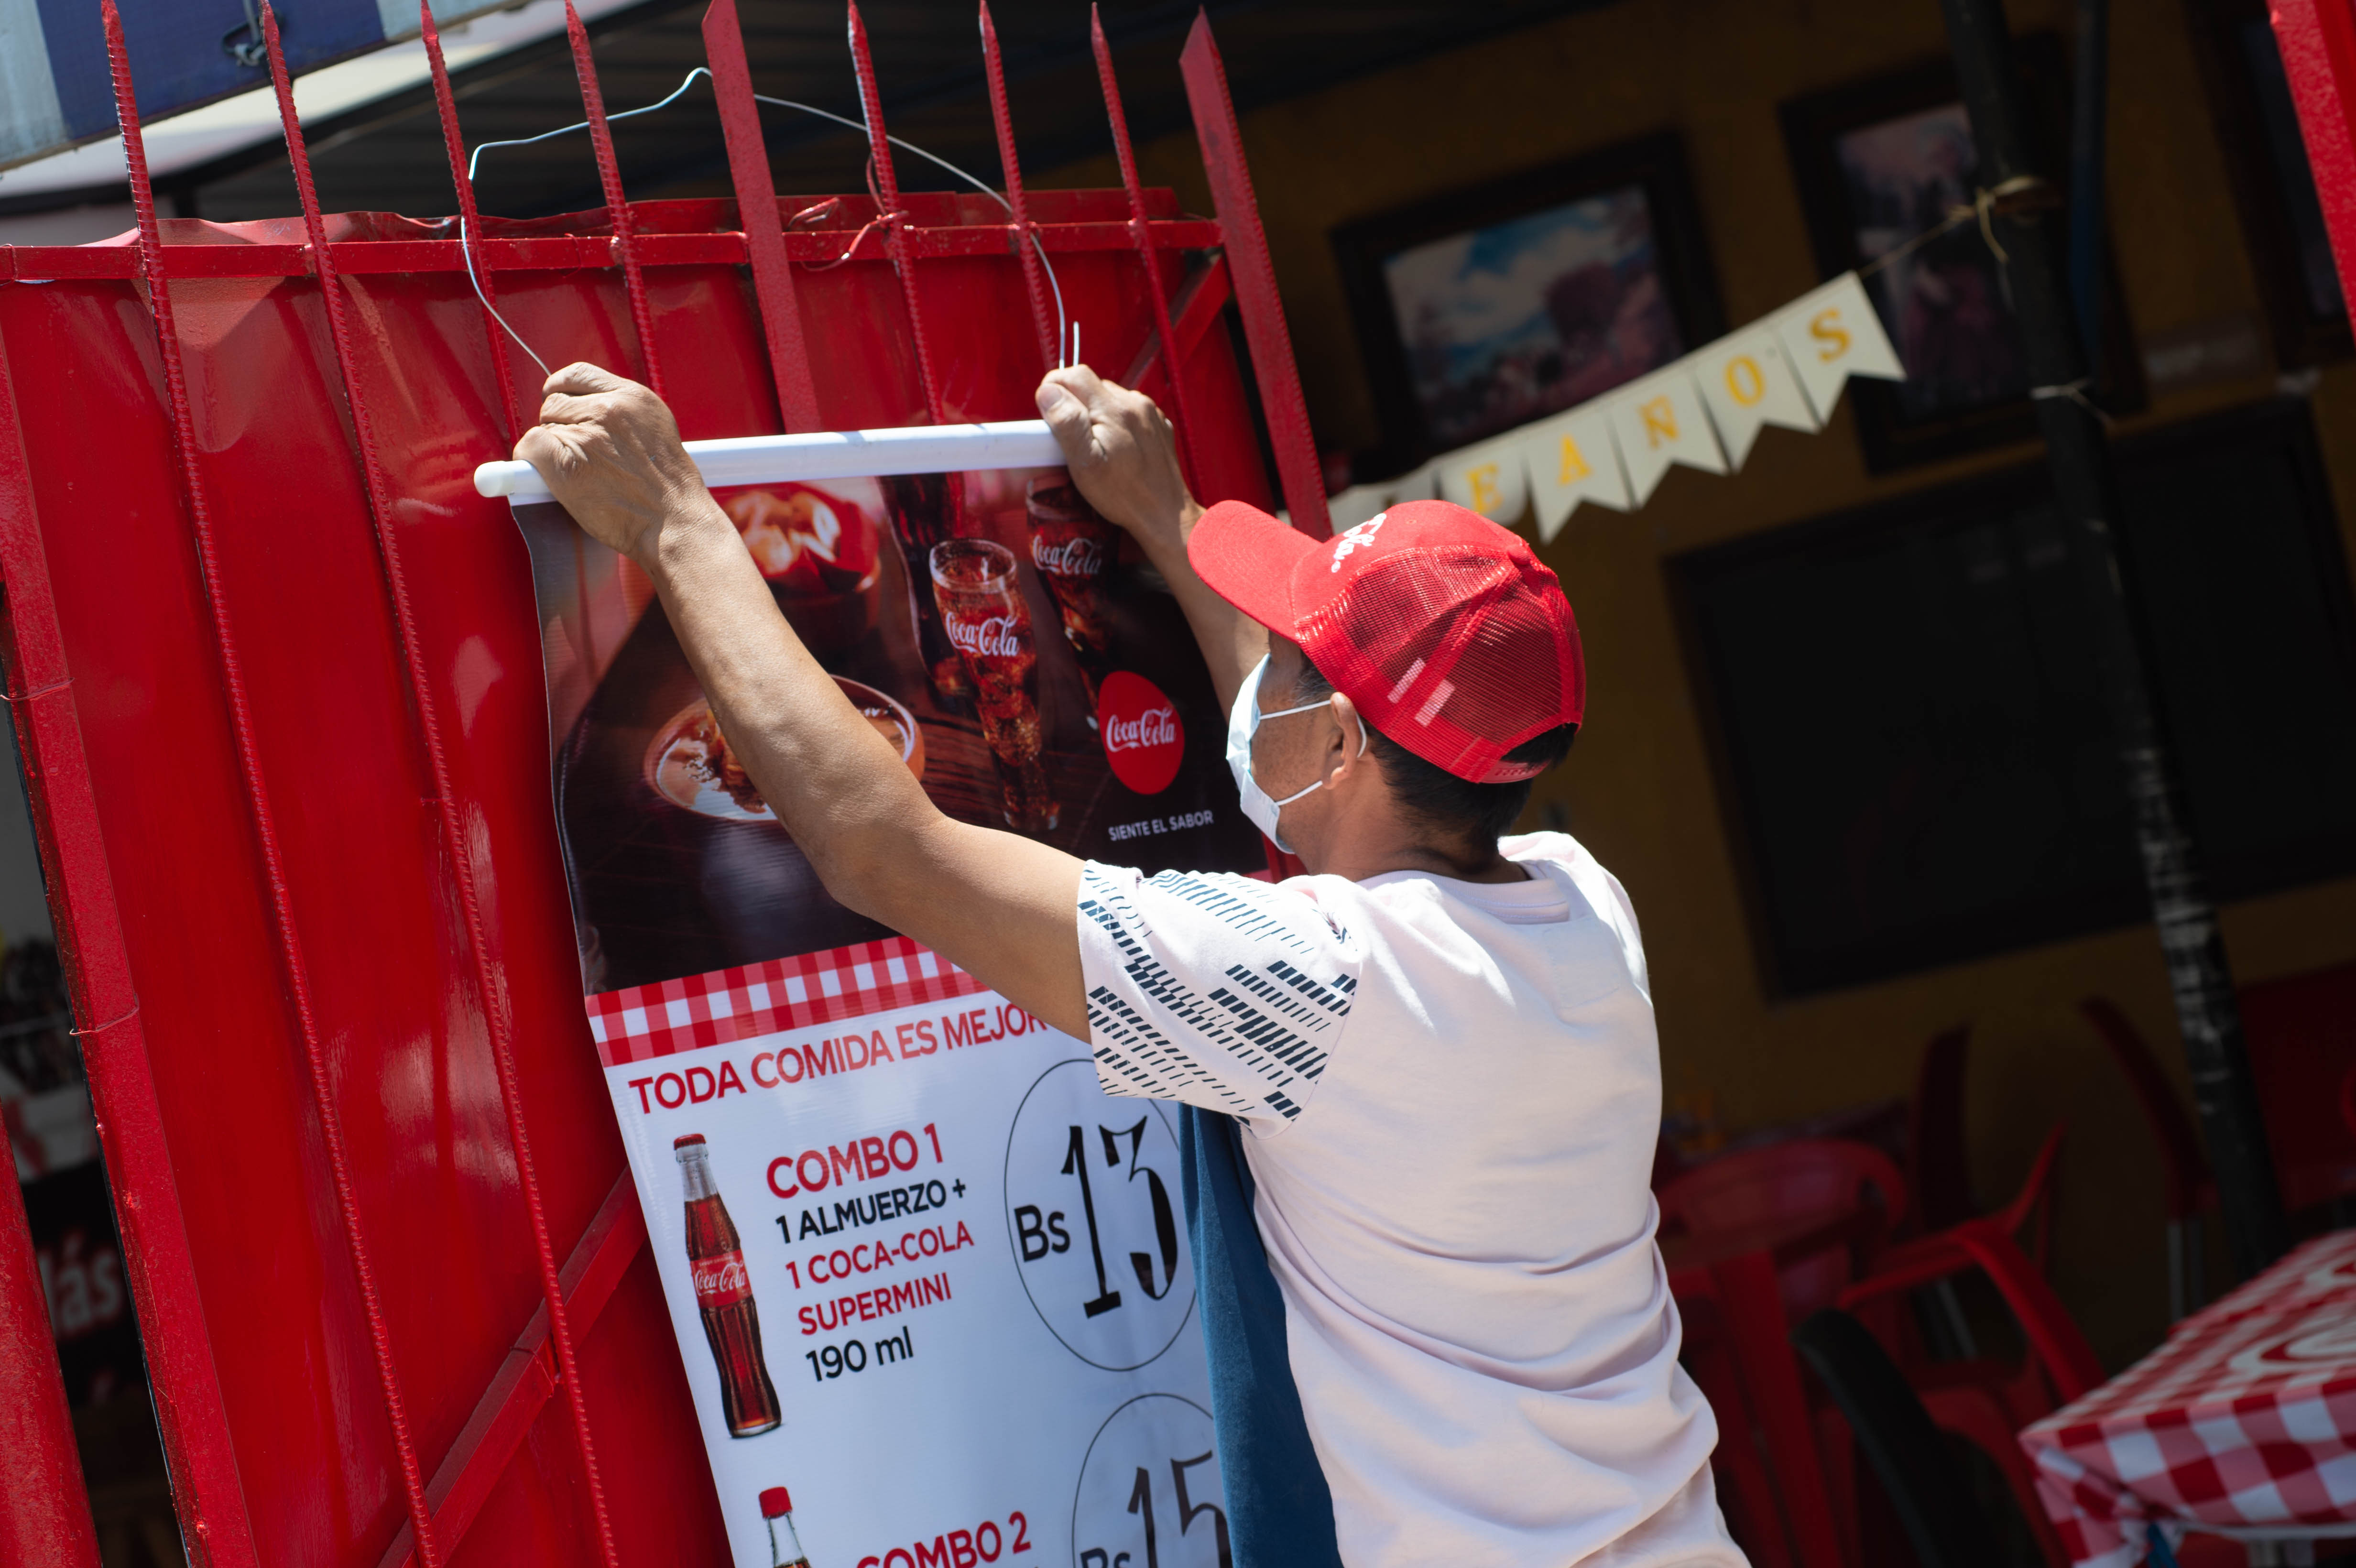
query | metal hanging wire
[1065, 328]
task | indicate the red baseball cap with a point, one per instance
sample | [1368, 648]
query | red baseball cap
[1449, 633]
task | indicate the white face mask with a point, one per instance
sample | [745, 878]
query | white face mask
[1244, 720]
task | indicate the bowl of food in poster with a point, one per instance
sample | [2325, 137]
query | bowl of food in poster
[692, 765]
[820, 554]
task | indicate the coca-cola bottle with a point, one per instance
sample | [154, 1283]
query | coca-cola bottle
[922, 507]
[785, 1546]
[724, 1294]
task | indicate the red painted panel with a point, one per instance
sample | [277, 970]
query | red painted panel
[297, 1432]
[2319, 49]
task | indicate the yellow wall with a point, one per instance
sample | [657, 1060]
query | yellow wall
[1638, 788]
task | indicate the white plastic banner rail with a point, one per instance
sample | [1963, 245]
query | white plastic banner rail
[829, 454]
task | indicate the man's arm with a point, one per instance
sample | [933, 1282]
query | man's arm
[1122, 456]
[996, 904]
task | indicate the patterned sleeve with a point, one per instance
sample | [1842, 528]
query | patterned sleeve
[1218, 991]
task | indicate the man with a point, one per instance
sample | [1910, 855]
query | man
[1441, 1042]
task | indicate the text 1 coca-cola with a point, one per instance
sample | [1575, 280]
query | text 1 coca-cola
[988, 623]
[1073, 549]
[784, 1544]
[724, 1294]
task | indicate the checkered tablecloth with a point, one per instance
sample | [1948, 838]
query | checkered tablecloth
[2244, 1420]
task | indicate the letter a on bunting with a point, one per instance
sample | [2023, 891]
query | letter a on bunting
[1572, 459]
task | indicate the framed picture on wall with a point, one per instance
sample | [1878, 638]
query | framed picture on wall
[2273, 187]
[1493, 306]
[1951, 787]
[1879, 163]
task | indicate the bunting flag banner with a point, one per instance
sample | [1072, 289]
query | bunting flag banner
[1831, 334]
[1704, 410]
[1489, 478]
[1572, 459]
[1659, 422]
[1747, 385]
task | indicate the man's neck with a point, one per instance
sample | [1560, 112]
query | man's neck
[1359, 863]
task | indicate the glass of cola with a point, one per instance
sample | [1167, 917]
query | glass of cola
[982, 611]
[1073, 549]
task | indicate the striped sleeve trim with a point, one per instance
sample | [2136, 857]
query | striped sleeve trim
[1219, 992]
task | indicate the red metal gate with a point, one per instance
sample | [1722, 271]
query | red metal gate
[275, 686]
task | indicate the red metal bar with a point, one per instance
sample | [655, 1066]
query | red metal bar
[173, 1336]
[44, 1508]
[1035, 281]
[498, 1018]
[513, 1400]
[756, 211]
[887, 193]
[1198, 305]
[1256, 298]
[570, 253]
[2318, 38]
[470, 222]
[1173, 362]
[617, 205]
[290, 948]
[1753, 1304]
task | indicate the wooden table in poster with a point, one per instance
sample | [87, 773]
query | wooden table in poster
[1739, 1348]
[2243, 1424]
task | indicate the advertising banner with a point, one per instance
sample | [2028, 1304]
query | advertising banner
[930, 1283]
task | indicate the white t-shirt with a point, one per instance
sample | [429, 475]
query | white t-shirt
[1453, 1093]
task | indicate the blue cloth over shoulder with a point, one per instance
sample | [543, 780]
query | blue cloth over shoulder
[1279, 1511]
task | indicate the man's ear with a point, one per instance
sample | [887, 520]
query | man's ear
[1351, 732]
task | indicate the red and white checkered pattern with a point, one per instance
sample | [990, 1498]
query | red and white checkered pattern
[647, 1021]
[2245, 1418]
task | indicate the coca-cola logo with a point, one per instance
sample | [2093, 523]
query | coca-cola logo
[1155, 727]
[985, 636]
[720, 1280]
[1142, 738]
[1078, 556]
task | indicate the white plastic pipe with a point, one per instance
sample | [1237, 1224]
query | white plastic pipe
[830, 454]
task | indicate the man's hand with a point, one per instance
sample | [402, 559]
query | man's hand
[610, 451]
[1122, 454]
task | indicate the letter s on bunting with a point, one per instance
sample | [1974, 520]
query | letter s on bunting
[1831, 334]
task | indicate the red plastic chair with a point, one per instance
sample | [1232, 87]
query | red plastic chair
[1986, 1403]
[1979, 1397]
[2302, 1040]
[1746, 1487]
[1785, 1481]
[1787, 1469]
[2187, 1186]
[1938, 1171]
[1804, 1178]
[1937, 1256]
